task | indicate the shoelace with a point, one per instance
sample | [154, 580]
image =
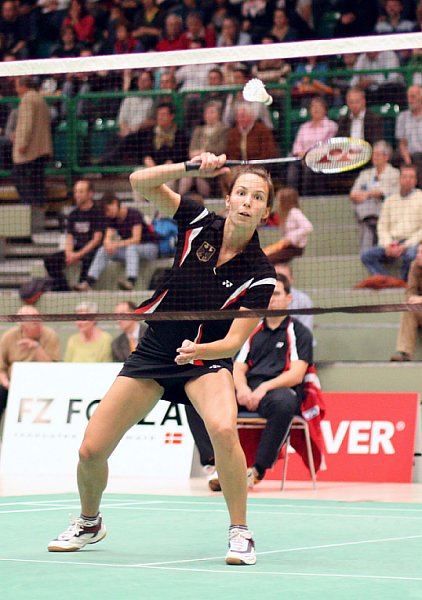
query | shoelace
[239, 539]
[76, 525]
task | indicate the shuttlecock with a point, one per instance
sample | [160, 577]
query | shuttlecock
[254, 91]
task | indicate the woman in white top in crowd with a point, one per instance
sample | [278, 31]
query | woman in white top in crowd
[370, 189]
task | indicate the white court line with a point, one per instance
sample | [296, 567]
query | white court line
[280, 513]
[219, 500]
[142, 506]
[290, 574]
[166, 565]
[226, 571]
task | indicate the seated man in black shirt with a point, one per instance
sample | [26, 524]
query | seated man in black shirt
[269, 374]
[84, 232]
[127, 239]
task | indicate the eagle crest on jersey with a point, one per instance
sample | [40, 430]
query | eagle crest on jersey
[205, 252]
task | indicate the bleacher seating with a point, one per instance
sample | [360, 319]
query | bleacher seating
[330, 265]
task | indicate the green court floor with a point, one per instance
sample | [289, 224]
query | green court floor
[162, 548]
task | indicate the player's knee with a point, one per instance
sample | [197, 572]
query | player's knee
[223, 434]
[88, 453]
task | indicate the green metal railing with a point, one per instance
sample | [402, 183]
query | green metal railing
[74, 137]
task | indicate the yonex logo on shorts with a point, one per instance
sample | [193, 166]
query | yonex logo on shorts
[227, 283]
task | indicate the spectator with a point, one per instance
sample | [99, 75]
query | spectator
[125, 42]
[31, 341]
[410, 321]
[394, 22]
[127, 239]
[148, 24]
[7, 89]
[357, 17]
[165, 142]
[231, 35]
[296, 228]
[32, 146]
[79, 83]
[68, 46]
[240, 77]
[167, 81]
[135, 115]
[299, 299]
[415, 63]
[220, 11]
[210, 137]
[379, 85]
[216, 79]
[172, 34]
[107, 33]
[281, 28]
[185, 7]
[84, 232]
[341, 82]
[312, 80]
[29, 21]
[91, 344]
[369, 191]
[82, 22]
[360, 122]
[196, 30]
[132, 330]
[399, 227]
[6, 140]
[51, 17]
[409, 130]
[269, 376]
[418, 26]
[272, 70]
[255, 18]
[318, 129]
[249, 138]
[193, 78]
[12, 32]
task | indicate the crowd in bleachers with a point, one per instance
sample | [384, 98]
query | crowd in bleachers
[171, 121]
[63, 28]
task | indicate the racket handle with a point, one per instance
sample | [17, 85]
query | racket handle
[194, 166]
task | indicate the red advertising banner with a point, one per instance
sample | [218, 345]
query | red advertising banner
[368, 437]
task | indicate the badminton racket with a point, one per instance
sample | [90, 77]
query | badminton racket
[336, 155]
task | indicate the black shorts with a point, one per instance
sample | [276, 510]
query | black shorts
[151, 360]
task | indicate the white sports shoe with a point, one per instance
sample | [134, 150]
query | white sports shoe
[241, 547]
[79, 533]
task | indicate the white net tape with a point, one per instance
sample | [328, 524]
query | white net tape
[215, 55]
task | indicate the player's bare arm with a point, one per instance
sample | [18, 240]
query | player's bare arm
[227, 347]
[150, 182]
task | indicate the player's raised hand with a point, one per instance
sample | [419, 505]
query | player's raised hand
[208, 164]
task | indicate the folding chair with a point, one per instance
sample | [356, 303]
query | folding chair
[252, 420]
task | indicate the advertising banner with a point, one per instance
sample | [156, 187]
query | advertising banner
[367, 436]
[49, 407]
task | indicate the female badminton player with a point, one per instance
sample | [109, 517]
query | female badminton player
[218, 264]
